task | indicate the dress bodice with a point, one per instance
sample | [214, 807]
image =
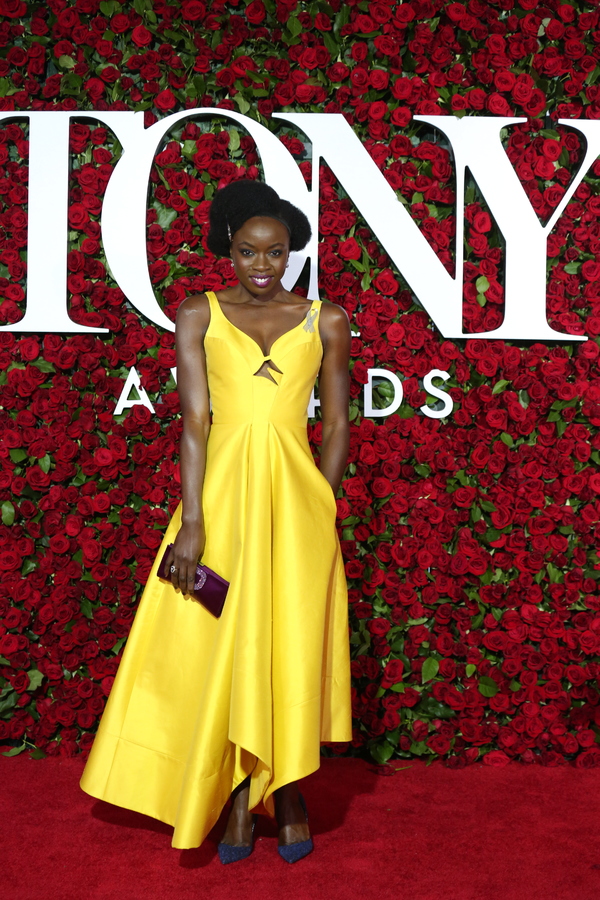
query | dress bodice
[238, 395]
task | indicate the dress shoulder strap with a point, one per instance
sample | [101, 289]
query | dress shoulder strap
[212, 300]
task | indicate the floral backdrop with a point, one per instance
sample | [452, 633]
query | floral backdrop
[470, 541]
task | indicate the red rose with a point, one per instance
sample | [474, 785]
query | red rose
[95, 88]
[381, 487]
[92, 552]
[588, 642]
[589, 759]
[193, 10]
[354, 568]
[482, 222]
[141, 37]
[385, 282]
[13, 9]
[464, 497]
[392, 673]
[350, 249]
[379, 626]
[165, 100]
[395, 333]
[255, 12]
[498, 105]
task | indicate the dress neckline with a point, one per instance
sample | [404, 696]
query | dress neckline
[255, 342]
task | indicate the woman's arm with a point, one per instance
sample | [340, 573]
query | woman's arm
[334, 382]
[192, 321]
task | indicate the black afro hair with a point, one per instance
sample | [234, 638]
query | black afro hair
[242, 200]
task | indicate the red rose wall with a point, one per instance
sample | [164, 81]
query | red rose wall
[470, 542]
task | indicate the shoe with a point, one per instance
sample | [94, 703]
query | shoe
[228, 853]
[293, 852]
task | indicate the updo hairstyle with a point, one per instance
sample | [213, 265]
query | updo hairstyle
[242, 200]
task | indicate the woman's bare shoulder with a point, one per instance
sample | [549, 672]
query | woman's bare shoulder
[334, 318]
[194, 311]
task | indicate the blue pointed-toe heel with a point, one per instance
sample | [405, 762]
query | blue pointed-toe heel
[228, 853]
[293, 852]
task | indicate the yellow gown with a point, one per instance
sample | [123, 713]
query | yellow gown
[199, 703]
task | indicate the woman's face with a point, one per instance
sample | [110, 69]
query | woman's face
[259, 252]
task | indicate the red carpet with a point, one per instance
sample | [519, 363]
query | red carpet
[426, 833]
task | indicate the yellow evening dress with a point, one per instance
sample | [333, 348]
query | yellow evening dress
[199, 703]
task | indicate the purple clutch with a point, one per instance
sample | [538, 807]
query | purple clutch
[209, 588]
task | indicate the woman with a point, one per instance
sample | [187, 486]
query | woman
[204, 708]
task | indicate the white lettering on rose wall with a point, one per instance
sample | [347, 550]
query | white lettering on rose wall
[475, 142]
[125, 400]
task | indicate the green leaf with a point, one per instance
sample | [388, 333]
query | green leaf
[29, 566]
[43, 365]
[507, 439]
[17, 454]
[470, 670]
[487, 686]
[515, 686]
[398, 688]
[86, 608]
[419, 748]
[430, 669]
[14, 751]
[482, 284]
[500, 386]
[435, 709]
[189, 149]
[165, 216]
[242, 103]
[572, 268]
[6, 87]
[382, 752]
[71, 84]
[342, 18]
[555, 575]
[357, 265]
[8, 513]
[66, 62]
[294, 26]
[117, 647]
[331, 44]
[35, 679]
[9, 702]
[44, 463]
[38, 753]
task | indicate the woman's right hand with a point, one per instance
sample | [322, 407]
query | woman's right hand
[185, 553]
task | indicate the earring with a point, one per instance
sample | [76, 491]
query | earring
[229, 232]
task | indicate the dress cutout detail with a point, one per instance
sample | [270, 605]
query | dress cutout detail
[266, 369]
[199, 703]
